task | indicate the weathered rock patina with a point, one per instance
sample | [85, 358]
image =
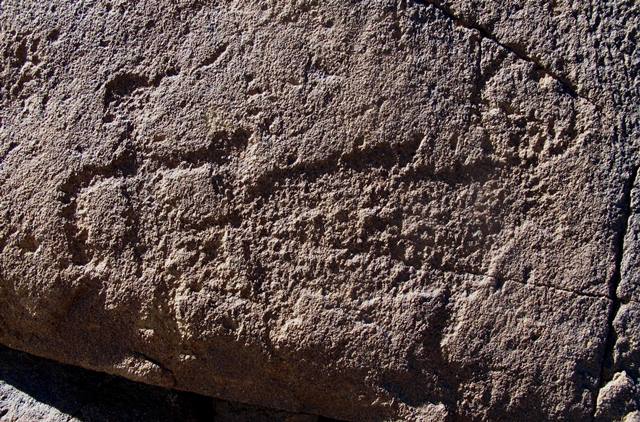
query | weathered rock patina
[360, 209]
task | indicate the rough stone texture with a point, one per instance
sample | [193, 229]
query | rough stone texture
[35, 389]
[621, 395]
[618, 398]
[365, 210]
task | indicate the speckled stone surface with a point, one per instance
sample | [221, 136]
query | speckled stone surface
[365, 210]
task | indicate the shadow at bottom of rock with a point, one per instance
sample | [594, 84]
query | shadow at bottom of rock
[33, 388]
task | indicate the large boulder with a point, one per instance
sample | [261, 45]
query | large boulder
[365, 210]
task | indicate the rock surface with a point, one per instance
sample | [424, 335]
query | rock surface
[365, 210]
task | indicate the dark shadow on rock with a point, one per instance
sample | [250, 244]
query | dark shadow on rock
[32, 387]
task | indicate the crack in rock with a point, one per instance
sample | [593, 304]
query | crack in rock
[568, 86]
[499, 281]
[157, 363]
[607, 362]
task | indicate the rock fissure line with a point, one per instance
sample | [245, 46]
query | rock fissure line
[607, 362]
[572, 292]
[500, 282]
[567, 85]
[158, 364]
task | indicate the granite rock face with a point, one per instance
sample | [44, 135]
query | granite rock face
[365, 210]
